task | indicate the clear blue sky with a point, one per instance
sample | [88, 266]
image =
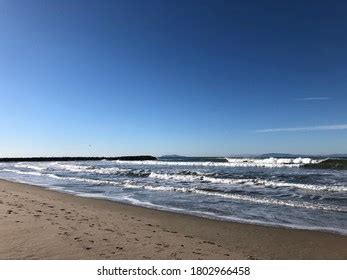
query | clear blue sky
[161, 77]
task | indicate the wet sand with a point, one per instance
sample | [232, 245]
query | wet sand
[36, 223]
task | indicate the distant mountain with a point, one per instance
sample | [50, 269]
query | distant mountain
[283, 155]
[268, 155]
[280, 155]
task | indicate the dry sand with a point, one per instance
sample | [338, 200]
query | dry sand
[36, 223]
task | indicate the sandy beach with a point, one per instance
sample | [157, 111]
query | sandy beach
[37, 223]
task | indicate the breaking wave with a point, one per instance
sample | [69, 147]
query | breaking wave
[249, 182]
[232, 162]
[269, 201]
[187, 176]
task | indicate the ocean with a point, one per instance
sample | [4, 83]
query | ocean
[266, 191]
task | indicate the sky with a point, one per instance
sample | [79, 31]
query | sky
[211, 78]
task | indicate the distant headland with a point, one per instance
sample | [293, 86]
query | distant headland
[35, 159]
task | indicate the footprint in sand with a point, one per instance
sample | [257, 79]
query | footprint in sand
[209, 242]
[188, 236]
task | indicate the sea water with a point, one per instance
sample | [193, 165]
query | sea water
[267, 191]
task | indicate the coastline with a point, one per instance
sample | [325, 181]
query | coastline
[38, 223]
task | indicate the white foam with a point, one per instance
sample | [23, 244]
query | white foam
[176, 177]
[232, 162]
[22, 172]
[90, 181]
[90, 169]
[70, 167]
[250, 182]
[269, 201]
[271, 162]
[30, 166]
[76, 179]
[53, 176]
[92, 195]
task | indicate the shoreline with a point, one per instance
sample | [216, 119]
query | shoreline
[38, 223]
[170, 210]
